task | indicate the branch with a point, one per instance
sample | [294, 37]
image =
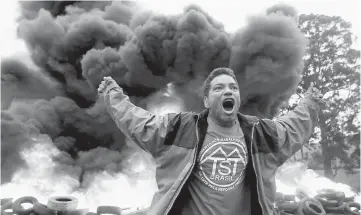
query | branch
[299, 95]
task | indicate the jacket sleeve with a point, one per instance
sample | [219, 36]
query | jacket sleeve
[146, 129]
[293, 129]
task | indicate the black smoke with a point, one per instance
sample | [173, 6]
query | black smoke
[75, 44]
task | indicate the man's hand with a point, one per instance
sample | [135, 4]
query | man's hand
[107, 84]
[315, 94]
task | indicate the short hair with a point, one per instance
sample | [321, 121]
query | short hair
[216, 72]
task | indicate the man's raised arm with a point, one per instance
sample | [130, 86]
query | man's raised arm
[294, 129]
[146, 129]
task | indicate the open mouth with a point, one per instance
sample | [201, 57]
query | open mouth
[228, 105]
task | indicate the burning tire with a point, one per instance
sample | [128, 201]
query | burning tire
[6, 206]
[62, 203]
[42, 209]
[349, 205]
[331, 195]
[327, 202]
[109, 210]
[309, 206]
[301, 194]
[19, 209]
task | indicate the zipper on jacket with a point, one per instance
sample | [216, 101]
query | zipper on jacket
[255, 171]
[188, 174]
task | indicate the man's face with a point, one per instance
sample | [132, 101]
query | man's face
[223, 99]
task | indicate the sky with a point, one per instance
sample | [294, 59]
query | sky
[233, 14]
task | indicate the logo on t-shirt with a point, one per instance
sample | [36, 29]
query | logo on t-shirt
[221, 163]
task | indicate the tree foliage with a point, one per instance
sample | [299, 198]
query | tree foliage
[332, 64]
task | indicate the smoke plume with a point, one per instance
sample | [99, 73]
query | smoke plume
[268, 52]
[159, 60]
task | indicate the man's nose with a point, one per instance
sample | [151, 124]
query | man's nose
[228, 92]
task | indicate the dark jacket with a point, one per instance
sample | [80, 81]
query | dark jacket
[175, 139]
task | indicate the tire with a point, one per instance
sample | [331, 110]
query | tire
[339, 209]
[109, 210]
[301, 194]
[6, 206]
[327, 202]
[309, 206]
[279, 196]
[7, 200]
[290, 198]
[77, 212]
[287, 213]
[20, 210]
[138, 212]
[352, 204]
[327, 191]
[288, 206]
[349, 199]
[331, 195]
[42, 209]
[62, 203]
[335, 214]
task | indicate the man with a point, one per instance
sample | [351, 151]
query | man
[219, 161]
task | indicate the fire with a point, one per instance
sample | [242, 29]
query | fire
[165, 101]
[43, 178]
[293, 176]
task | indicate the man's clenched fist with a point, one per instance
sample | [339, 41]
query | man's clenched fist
[315, 93]
[107, 84]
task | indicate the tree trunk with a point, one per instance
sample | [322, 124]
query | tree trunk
[327, 165]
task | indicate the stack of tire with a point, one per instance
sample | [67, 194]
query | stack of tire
[60, 205]
[326, 202]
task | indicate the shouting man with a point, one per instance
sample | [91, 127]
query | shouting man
[218, 161]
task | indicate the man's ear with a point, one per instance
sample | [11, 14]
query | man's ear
[206, 102]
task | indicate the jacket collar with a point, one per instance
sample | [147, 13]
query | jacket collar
[202, 116]
[245, 123]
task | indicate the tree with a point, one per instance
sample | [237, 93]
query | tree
[332, 64]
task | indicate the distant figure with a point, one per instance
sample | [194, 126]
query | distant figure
[218, 161]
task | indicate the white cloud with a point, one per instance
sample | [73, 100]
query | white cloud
[10, 43]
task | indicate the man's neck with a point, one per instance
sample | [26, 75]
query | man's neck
[224, 124]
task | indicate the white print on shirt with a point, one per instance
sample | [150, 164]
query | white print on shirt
[221, 163]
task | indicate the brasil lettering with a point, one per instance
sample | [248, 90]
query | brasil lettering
[222, 163]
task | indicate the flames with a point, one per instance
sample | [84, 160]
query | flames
[42, 178]
[134, 187]
[294, 176]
